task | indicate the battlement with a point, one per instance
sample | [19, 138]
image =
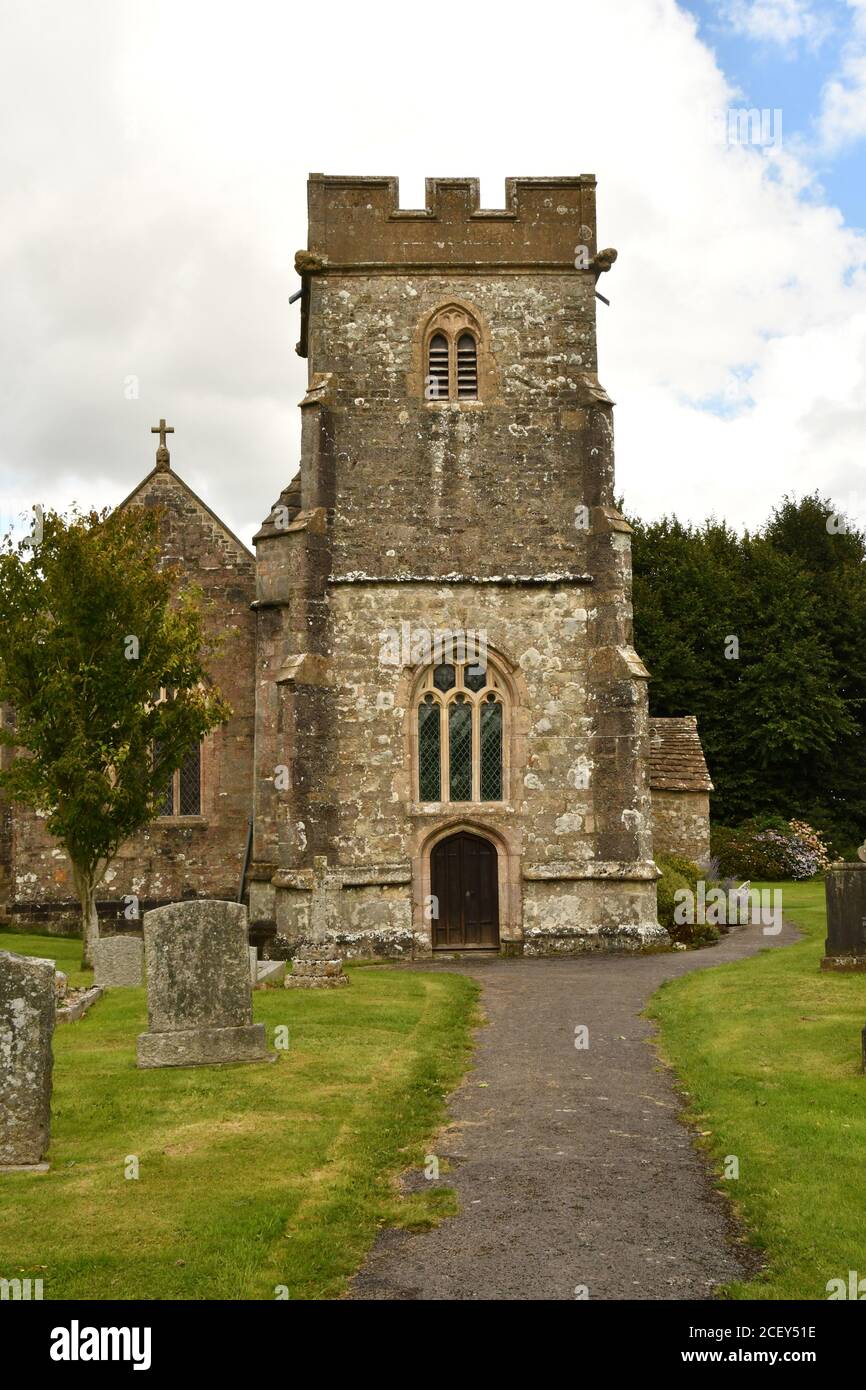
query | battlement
[358, 223]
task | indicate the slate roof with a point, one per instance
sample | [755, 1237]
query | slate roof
[676, 757]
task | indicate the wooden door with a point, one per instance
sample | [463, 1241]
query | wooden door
[464, 880]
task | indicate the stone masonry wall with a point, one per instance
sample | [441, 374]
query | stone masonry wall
[681, 823]
[494, 515]
[189, 856]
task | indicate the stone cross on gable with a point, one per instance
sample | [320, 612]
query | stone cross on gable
[163, 458]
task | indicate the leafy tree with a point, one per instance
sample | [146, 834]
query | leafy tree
[783, 721]
[92, 628]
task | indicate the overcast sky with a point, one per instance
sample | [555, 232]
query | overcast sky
[153, 160]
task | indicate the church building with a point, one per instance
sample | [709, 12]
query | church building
[440, 723]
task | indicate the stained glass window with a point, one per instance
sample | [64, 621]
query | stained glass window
[491, 749]
[460, 748]
[428, 750]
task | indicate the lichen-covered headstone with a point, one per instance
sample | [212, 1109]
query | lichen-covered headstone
[118, 962]
[199, 999]
[27, 1004]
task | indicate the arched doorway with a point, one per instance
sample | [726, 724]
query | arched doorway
[464, 883]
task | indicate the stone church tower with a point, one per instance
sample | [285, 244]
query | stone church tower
[452, 738]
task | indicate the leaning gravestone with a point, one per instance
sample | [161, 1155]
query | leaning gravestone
[199, 1000]
[118, 962]
[27, 1004]
[845, 887]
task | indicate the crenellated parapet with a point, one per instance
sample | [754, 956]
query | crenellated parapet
[357, 223]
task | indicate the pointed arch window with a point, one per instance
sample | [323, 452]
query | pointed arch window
[460, 741]
[467, 367]
[437, 367]
[451, 355]
[182, 796]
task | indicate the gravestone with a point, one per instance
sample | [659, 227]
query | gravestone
[199, 999]
[27, 1004]
[118, 962]
[845, 888]
[317, 963]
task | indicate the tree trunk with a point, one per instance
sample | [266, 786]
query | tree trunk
[86, 885]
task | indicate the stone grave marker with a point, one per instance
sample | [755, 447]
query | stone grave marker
[27, 1005]
[317, 963]
[845, 888]
[199, 998]
[118, 962]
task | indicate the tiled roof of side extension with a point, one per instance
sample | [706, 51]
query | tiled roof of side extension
[676, 757]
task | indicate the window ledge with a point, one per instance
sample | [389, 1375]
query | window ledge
[469, 808]
[181, 822]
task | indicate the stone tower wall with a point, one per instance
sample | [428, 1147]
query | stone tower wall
[492, 515]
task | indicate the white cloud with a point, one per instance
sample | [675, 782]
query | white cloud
[153, 177]
[843, 102]
[782, 22]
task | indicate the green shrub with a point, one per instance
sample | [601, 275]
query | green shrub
[679, 873]
[741, 855]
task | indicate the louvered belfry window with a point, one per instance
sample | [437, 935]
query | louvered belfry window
[467, 368]
[452, 355]
[460, 743]
[437, 381]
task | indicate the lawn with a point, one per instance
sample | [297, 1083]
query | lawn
[250, 1177]
[768, 1053]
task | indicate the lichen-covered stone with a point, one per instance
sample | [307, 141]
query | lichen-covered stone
[199, 995]
[494, 515]
[119, 962]
[315, 967]
[27, 1012]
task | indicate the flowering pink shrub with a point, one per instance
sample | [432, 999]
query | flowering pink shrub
[798, 852]
[813, 845]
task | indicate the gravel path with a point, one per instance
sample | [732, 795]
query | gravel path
[571, 1166]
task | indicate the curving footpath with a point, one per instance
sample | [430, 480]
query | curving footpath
[571, 1166]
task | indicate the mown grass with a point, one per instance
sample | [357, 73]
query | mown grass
[768, 1053]
[250, 1177]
